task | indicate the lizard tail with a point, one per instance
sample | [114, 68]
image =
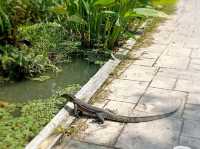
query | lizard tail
[126, 119]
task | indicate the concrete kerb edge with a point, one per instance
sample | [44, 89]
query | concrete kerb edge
[85, 93]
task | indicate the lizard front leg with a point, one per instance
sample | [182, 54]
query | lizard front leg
[76, 111]
[100, 117]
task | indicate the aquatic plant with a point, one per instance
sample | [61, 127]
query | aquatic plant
[19, 123]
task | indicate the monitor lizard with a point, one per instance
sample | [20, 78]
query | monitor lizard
[80, 107]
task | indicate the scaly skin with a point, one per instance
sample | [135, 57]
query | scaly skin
[81, 107]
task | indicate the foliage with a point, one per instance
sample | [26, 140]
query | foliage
[5, 24]
[16, 12]
[100, 22]
[168, 6]
[18, 63]
[20, 123]
[49, 45]
[47, 37]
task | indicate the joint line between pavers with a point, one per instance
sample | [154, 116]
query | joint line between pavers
[192, 50]
[120, 101]
[195, 138]
[188, 65]
[102, 145]
[180, 133]
[121, 131]
[132, 80]
[174, 86]
[183, 120]
[146, 88]
[167, 45]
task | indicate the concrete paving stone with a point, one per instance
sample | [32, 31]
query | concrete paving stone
[163, 82]
[100, 103]
[193, 43]
[120, 108]
[139, 73]
[158, 134]
[154, 48]
[194, 99]
[136, 54]
[125, 90]
[103, 134]
[190, 75]
[144, 62]
[178, 39]
[167, 26]
[173, 62]
[191, 86]
[194, 67]
[148, 54]
[195, 61]
[193, 143]
[162, 37]
[168, 73]
[69, 143]
[177, 73]
[195, 64]
[160, 101]
[195, 53]
[191, 128]
[191, 111]
[178, 51]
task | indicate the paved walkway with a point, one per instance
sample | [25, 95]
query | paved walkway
[167, 72]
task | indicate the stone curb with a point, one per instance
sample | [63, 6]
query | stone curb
[46, 137]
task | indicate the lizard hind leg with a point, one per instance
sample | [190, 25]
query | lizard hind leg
[100, 117]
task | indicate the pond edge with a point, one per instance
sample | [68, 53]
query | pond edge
[46, 137]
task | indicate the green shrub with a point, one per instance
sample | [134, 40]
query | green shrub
[46, 38]
[99, 23]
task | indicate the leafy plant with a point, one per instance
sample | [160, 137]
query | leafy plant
[100, 22]
[49, 45]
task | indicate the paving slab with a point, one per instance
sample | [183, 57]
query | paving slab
[155, 48]
[195, 64]
[194, 99]
[160, 101]
[193, 143]
[104, 134]
[145, 61]
[195, 53]
[193, 43]
[125, 90]
[159, 134]
[75, 144]
[120, 108]
[191, 86]
[162, 37]
[191, 128]
[178, 51]
[191, 111]
[169, 73]
[173, 62]
[139, 73]
[163, 82]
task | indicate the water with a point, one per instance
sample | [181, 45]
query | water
[76, 72]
